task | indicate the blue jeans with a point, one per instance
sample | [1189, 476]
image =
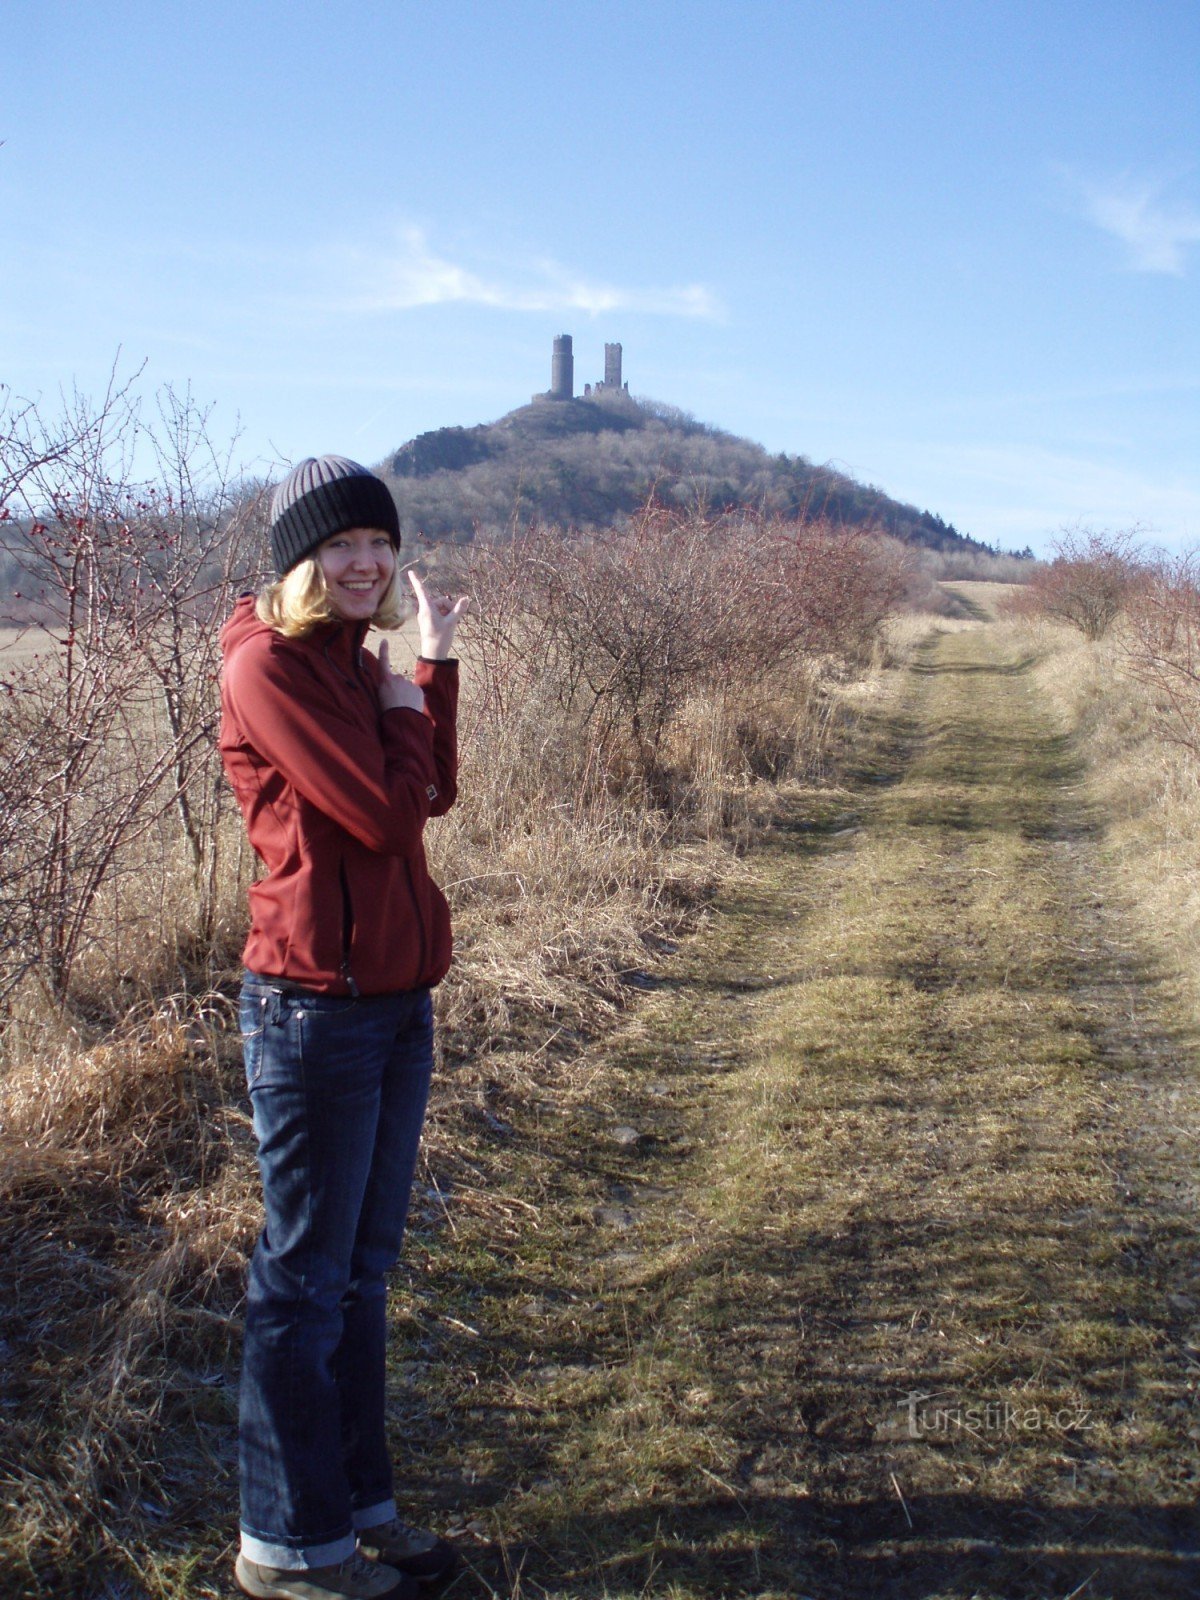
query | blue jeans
[338, 1087]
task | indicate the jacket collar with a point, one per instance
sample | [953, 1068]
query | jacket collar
[340, 641]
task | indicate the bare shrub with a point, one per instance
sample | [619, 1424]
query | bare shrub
[625, 693]
[832, 589]
[629, 626]
[980, 566]
[1090, 581]
[1162, 646]
[111, 685]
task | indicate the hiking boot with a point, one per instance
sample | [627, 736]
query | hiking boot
[352, 1579]
[415, 1551]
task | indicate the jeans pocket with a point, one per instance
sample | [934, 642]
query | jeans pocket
[252, 1019]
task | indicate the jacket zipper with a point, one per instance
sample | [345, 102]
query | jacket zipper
[357, 678]
[412, 888]
[360, 677]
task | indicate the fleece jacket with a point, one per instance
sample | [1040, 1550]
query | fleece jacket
[336, 793]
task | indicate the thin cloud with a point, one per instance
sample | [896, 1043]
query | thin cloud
[413, 275]
[1155, 231]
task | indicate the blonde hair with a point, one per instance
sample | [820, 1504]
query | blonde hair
[300, 602]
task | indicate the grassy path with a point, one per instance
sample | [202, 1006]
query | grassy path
[866, 1263]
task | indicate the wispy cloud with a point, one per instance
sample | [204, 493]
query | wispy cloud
[412, 275]
[1155, 230]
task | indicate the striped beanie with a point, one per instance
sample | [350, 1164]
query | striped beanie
[324, 495]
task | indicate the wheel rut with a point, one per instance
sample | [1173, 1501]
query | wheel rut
[897, 1291]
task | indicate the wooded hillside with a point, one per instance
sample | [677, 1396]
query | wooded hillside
[589, 463]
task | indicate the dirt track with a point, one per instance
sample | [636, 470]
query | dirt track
[866, 1263]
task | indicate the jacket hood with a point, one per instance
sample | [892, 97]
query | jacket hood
[241, 624]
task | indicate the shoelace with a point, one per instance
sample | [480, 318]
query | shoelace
[395, 1529]
[355, 1566]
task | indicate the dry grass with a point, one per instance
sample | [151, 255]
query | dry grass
[1149, 790]
[983, 600]
[126, 1192]
[906, 632]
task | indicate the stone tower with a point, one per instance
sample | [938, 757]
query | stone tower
[612, 366]
[562, 369]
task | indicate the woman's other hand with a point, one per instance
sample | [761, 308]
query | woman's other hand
[437, 618]
[395, 690]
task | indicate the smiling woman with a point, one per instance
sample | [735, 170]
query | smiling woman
[337, 763]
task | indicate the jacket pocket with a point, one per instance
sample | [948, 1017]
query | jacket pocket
[347, 925]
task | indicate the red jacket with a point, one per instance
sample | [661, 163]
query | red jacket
[336, 794]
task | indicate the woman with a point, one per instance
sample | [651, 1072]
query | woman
[337, 762]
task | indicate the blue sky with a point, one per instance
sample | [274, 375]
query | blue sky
[951, 246]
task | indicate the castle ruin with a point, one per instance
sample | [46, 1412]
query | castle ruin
[562, 372]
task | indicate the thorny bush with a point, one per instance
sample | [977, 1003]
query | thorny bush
[626, 626]
[1162, 645]
[1093, 577]
[118, 589]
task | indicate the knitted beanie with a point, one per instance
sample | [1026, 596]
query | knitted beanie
[324, 495]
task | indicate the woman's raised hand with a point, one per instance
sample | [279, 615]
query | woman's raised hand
[437, 618]
[395, 690]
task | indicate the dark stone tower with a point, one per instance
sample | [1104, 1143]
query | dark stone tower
[562, 369]
[612, 366]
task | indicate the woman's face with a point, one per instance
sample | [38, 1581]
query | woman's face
[358, 564]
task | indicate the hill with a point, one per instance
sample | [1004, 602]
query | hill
[587, 463]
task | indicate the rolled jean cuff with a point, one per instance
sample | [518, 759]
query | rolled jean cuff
[374, 1516]
[292, 1558]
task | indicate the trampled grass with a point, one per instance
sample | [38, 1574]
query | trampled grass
[894, 1292]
